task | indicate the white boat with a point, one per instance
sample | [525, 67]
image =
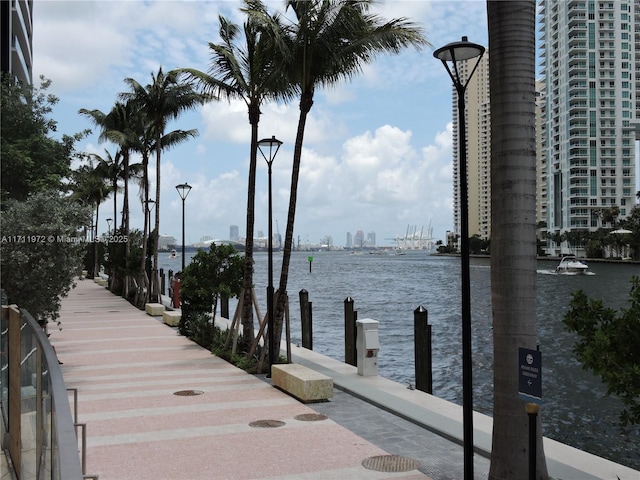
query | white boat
[174, 254]
[570, 264]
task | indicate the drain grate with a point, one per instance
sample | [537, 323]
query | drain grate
[188, 393]
[390, 463]
[266, 424]
[310, 417]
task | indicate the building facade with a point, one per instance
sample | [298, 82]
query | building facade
[478, 123]
[591, 66]
[16, 46]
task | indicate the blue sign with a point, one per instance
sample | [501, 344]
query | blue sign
[530, 375]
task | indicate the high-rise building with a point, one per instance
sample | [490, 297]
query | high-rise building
[591, 62]
[234, 233]
[16, 32]
[349, 240]
[478, 123]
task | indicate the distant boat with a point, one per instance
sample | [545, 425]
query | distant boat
[570, 264]
[173, 254]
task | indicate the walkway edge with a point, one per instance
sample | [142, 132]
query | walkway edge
[445, 418]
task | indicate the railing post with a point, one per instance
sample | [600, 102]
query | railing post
[422, 350]
[306, 319]
[162, 281]
[350, 317]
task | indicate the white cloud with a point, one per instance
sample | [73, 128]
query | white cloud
[376, 153]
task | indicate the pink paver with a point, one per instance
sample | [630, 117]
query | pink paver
[127, 367]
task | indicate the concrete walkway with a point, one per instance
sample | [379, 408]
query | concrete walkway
[128, 367]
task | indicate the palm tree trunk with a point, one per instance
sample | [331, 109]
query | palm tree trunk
[247, 303]
[96, 262]
[153, 284]
[305, 106]
[145, 231]
[513, 239]
[125, 220]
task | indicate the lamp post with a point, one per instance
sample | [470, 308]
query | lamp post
[450, 55]
[109, 220]
[271, 146]
[183, 190]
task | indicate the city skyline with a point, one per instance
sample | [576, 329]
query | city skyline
[377, 151]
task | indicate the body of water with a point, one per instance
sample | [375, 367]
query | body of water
[576, 409]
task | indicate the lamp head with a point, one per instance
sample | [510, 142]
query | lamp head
[183, 190]
[270, 143]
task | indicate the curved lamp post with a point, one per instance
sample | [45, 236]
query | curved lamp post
[269, 148]
[451, 55]
[109, 220]
[183, 190]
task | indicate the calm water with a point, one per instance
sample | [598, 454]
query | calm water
[576, 409]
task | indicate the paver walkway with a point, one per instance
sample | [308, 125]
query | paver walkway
[127, 367]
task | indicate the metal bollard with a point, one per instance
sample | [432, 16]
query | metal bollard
[422, 350]
[350, 317]
[306, 319]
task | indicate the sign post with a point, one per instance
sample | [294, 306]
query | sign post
[530, 390]
[310, 261]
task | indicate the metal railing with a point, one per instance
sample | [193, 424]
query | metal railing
[39, 430]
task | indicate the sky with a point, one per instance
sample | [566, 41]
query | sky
[377, 153]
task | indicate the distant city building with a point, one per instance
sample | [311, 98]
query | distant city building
[234, 233]
[358, 240]
[16, 39]
[349, 240]
[206, 238]
[371, 239]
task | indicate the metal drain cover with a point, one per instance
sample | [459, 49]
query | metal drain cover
[188, 393]
[390, 463]
[266, 424]
[310, 417]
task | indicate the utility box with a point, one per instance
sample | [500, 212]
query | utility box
[367, 347]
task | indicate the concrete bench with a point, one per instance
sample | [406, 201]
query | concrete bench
[301, 382]
[171, 317]
[154, 309]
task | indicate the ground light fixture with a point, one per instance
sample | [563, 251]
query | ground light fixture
[269, 149]
[452, 56]
[183, 190]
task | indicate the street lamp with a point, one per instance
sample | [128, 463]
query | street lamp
[183, 190]
[271, 146]
[451, 55]
[109, 220]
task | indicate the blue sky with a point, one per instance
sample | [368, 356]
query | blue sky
[377, 152]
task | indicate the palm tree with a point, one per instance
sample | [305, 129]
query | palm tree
[245, 71]
[119, 127]
[160, 101]
[91, 186]
[112, 169]
[331, 41]
[513, 197]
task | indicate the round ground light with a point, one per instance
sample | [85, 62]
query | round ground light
[310, 417]
[188, 393]
[266, 424]
[390, 463]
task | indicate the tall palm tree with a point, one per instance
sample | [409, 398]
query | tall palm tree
[331, 41]
[242, 67]
[92, 186]
[119, 127]
[112, 169]
[513, 214]
[162, 100]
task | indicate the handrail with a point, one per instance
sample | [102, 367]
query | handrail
[56, 441]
